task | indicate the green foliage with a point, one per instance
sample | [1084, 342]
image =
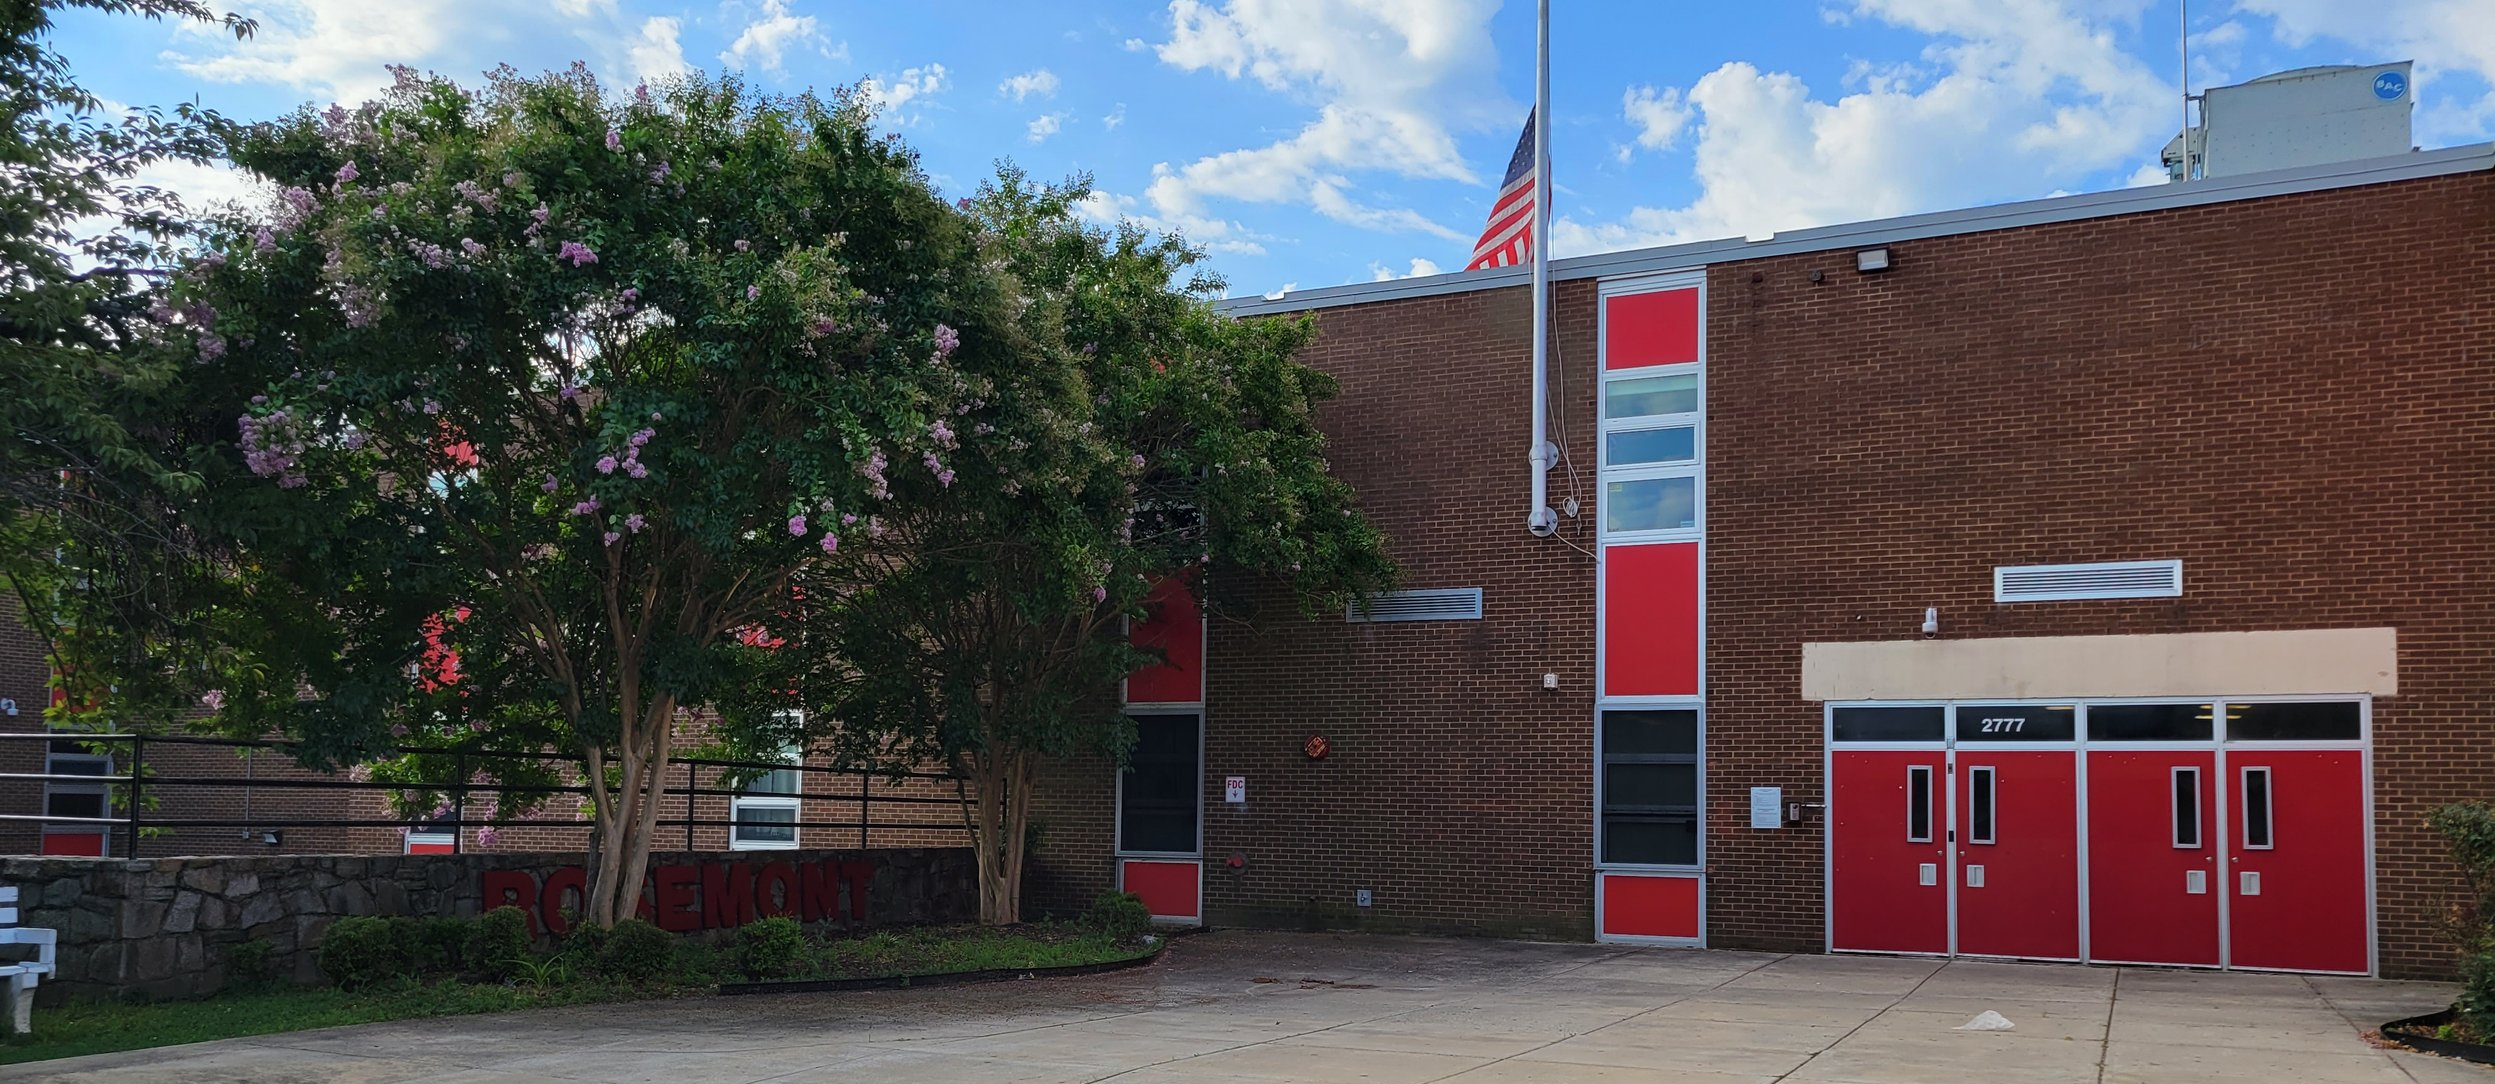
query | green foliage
[2468, 831]
[636, 951]
[95, 1027]
[439, 945]
[248, 964]
[1119, 915]
[364, 951]
[498, 942]
[771, 948]
[938, 951]
[543, 973]
[585, 943]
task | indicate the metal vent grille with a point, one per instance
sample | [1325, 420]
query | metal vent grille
[1435, 604]
[2111, 579]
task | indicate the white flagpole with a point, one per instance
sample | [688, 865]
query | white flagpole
[1540, 519]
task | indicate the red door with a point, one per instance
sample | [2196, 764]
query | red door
[1888, 856]
[2295, 867]
[2153, 857]
[2018, 853]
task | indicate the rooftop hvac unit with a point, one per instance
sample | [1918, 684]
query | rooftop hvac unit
[2305, 117]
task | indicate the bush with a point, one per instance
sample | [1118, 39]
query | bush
[438, 944]
[362, 950]
[771, 948]
[248, 964]
[1121, 915]
[498, 942]
[636, 950]
[2468, 830]
[585, 944]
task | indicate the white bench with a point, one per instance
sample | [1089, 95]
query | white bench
[23, 975]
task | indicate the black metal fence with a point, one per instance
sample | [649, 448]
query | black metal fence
[133, 786]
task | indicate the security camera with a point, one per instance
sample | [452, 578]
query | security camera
[1543, 523]
[1931, 622]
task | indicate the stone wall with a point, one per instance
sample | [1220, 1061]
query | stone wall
[165, 927]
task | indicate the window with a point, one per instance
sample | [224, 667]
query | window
[1888, 724]
[2150, 722]
[2017, 722]
[1980, 805]
[2257, 809]
[1650, 788]
[2187, 809]
[1651, 453]
[2341, 721]
[765, 809]
[87, 801]
[1160, 792]
[1918, 803]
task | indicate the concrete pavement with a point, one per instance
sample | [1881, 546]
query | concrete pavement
[1269, 1007]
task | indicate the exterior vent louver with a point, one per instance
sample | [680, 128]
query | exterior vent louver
[1435, 604]
[2111, 579]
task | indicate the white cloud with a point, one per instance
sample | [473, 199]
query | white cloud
[1659, 116]
[2013, 96]
[773, 34]
[339, 49]
[1213, 234]
[892, 95]
[581, 9]
[1137, 45]
[1046, 125]
[1116, 117]
[1040, 81]
[1390, 77]
[656, 52]
[2442, 36]
[1379, 272]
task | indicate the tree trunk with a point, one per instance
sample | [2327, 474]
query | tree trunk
[1001, 820]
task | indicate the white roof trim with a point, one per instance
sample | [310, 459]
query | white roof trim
[2473, 158]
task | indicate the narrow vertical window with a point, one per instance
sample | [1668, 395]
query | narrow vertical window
[1919, 803]
[1979, 805]
[2257, 809]
[1162, 788]
[2187, 809]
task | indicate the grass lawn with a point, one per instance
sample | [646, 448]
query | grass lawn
[97, 1027]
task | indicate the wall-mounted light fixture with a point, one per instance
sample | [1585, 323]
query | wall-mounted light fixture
[1871, 259]
[1931, 622]
[272, 838]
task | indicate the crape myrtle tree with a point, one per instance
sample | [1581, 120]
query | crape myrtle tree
[87, 549]
[534, 399]
[1123, 435]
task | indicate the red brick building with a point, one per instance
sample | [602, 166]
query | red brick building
[2107, 578]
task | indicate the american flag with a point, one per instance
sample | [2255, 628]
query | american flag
[1508, 239]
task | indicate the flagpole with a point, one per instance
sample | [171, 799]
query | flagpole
[1540, 519]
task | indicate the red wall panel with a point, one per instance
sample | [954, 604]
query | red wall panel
[1650, 620]
[1176, 627]
[1168, 889]
[1636, 906]
[1650, 329]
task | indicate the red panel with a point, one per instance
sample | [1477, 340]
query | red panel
[2310, 912]
[2141, 907]
[1650, 329]
[1175, 626]
[86, 844]
[2028, 904]
[1877, 900]
[1650, 620]
[1641, 906]
[429, 848]
[1168, 889]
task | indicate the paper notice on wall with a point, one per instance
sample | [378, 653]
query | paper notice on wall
[1767, 807]
[1234, 789]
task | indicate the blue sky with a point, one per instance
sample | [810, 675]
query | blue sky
[1317, 142]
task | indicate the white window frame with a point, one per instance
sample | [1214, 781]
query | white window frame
[1694, 468]
[794, 804]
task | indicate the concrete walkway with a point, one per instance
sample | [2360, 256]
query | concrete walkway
[1305, 1007]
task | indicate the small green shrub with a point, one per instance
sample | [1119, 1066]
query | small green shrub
[249, 964]
[585, 943]
[771, 948]
[497, 942]
[693, 963]
[545, 974]
[2468, 830]
[1121, 915]
[439, 944]
[362, 951]
[636, 950]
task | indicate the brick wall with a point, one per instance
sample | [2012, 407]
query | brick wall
[2295, 396]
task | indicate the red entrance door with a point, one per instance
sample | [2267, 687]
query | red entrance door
[1888, 854]
[2153, 857]
[2295, 871]
[2018, 852]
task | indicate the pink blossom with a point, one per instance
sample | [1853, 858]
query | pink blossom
[848, 518]
[641, 93]
[659, 175]
[576, 252]
[347, 172]
[654, 416]
[752, 292]
[264, 241]
[470, 246]
[614, 140]
[1135, 461]
[587, 507]
[606, 464]
[947, 341]
[432, 406]
[550, 484]
[213, 699]
[634, 468]
[635, 522]
[743, 244]
[942, 434]
[613, 536]
[1100, 594]
[356, 440]
[568, 391]
[945, 477]
[630, 295]
[831, 542]
[487, 836]
[825, 325]
[797, 526]
[874, 526]
[361, 773]
[641, 436]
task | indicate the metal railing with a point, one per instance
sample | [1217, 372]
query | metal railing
[134, 783]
